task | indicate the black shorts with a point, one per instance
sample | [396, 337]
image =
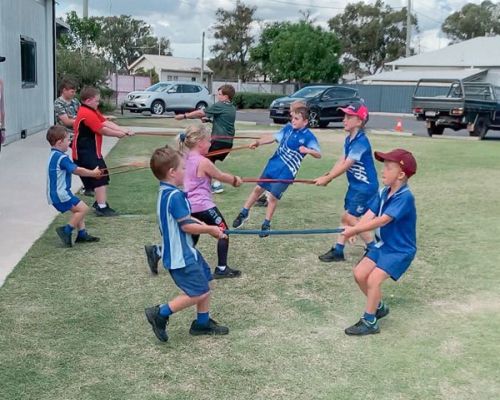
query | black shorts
[211, 217]
[219, 146]
[90, 161]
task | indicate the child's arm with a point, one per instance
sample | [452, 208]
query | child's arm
[266, 139]
[208, 168]
[368, 222]
[340, 167]
[92, 173]
[191, 115]
[312, 152]
[111, 129]
[191, 226]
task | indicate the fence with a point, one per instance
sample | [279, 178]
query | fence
[123, 84]
[258, 87]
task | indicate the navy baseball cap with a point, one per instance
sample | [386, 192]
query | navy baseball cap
[403, 157]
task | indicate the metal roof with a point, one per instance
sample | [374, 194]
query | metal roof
[172, 63]
[406, 75]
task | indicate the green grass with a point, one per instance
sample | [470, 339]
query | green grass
[72, 324]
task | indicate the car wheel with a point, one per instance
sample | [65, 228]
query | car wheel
[201, 105]
[314, 121]
[278, 121]
[434, 129]
[323, 124]
[480, 128]
[157, 108]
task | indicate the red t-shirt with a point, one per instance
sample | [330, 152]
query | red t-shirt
[87, 138]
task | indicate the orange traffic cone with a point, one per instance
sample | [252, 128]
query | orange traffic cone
[399, 126]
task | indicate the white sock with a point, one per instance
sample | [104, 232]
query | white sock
[102, 205]
[221, 268]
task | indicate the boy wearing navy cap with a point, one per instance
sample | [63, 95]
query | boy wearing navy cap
[358, 165]
[393, 215]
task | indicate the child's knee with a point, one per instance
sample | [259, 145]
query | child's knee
[201, 297]
[360, 276]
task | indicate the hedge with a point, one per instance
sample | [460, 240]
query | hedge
[254, 100]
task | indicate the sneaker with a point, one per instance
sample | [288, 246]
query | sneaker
[261, 201]
[382, 312]
[86, 239]
[331, 255]
[65, 237]
[362, 327]
[153, 258]
[265, 228]
[240, 220]
[158, 322]
[213, 328]
[226, 273]
[105, 212]
[217, 187]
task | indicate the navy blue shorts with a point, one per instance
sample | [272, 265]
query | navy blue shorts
[193, 279]
[394, 264]
[67, 205]
[272, 172]
[356, 203]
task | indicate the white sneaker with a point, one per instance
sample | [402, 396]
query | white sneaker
[217, 187]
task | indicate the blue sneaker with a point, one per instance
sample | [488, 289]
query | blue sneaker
[64, 236]
[158, 323]
[240, 220]
[266, 227]
[152, 257]
[362, 327]
[382, 312]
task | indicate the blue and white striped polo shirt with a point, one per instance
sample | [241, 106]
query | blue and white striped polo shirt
[178, 250]
[60, 168]
[362, 175]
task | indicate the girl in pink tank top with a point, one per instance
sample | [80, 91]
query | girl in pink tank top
[194, 143]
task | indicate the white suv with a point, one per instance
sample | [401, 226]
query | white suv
[169, 96]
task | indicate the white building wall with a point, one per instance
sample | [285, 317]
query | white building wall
[29, 109]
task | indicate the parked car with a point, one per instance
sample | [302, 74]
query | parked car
[323, 103]
[473, 106]
[169, 96]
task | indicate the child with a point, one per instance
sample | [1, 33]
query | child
[295, 141]
[199, 173]
[357, 163]
[186, 265]
[60, 168]
[393, 215]
[223, 114]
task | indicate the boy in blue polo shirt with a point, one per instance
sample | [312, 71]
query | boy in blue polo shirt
[60, 168]
[358, 165]
[393, 215]
[186, 265]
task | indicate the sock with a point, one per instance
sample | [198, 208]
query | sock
[369, 318]
[370, 245]
[244, 211]
[102, 205]
[165, 310]
[68, 228]
[221, 268]
[339, 248]
[380, 305]
[202, 318]
[82, 233]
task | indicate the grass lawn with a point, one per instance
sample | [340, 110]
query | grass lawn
[72, 322]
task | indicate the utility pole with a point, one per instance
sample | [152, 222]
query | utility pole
[85, 8]
[202, 55]
[159, 46]
[408, 28]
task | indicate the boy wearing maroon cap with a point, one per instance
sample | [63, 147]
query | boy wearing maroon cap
[393, 215]
[358, 165]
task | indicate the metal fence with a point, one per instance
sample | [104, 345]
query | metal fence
[257, 87]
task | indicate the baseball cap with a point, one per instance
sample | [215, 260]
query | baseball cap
[2, 59]
[357, 109]
[403, 157]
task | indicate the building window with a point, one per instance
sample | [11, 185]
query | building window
[193, 79]
[176, 78]
[28, 62]
[169, 77]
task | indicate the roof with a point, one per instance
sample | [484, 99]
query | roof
[405, 75]
[172, 63]
[482, 51]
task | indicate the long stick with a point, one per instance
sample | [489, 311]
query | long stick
[270, 180]
[224, 151]
[283, 232]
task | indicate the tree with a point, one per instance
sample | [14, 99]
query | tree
[232, 31]
[82, 66]
[472, 21]
[370, 35]
[83, 33]
[298, 52]
[154, 45]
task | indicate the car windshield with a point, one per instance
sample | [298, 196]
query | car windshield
[159, 87]
[308, 92]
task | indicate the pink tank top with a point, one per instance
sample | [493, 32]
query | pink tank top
[198, 190]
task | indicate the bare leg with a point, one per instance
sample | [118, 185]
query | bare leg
[101, 194]
[361, 273]
[272, 202]
[374, 289]
[183, 301]
[78, 214]
[256, 193]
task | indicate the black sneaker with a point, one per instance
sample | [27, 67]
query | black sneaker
[86, 239]
[65, 237]
[261, 201]
[153, 258]
[105, 212]
[265, 228]
[362, 327]
[331, 255]
[158, 322]
[382, 312]
[213, 328]
[89, 193]
[226, 273]
[239, 221]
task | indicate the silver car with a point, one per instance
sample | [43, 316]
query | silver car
[169, 96]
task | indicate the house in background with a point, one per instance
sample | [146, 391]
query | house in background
[27, 32]
[171, 68]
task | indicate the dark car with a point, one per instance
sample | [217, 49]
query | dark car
[323, 103]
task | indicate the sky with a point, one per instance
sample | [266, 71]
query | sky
[183, 21]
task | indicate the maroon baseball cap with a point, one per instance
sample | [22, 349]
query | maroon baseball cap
[403, 157]
[357, 109]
